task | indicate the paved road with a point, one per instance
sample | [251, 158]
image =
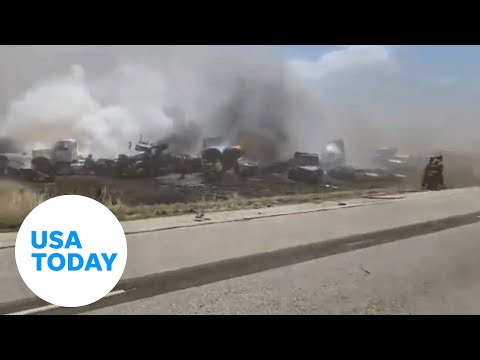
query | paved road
[193, 256]
[433, 274]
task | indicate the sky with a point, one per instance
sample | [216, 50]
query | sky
[436, 81]
[429, 54]
[416, 97]
[404, 95]
[431, 62]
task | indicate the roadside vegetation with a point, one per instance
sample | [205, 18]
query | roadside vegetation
[17, 200]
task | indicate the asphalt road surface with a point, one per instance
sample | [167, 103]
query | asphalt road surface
[438, 273]
[417, 255]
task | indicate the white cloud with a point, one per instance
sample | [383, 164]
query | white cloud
[347, 58]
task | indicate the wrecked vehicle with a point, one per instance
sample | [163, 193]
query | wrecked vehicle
[334, 155]
[461, 168]
[216, 161]
[233, 158]
[433, 174]
[65, 153]
[11, 164]
[181, 164]
[161, 162]
[148, 161]
[194, 163]
[390, 159]
[63, 157]
[310, 167]
[212, 166]
[306, 168]
[21, 166]
[230, 158]
[247, 168]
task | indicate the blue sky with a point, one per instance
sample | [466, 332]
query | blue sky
[440, 65]
[445, 54]
[460, 61]
[421, 90]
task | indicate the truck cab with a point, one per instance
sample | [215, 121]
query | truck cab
[64, 155]
[65, 151]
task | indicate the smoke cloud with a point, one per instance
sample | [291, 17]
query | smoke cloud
[105, 106]
[108, 96]
[8, 145]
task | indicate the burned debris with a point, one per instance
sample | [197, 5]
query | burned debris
[218, 163]
[218, 157]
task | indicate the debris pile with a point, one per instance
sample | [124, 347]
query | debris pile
[219, 171]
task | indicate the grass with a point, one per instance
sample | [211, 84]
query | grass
[149, 211]
[16, 202]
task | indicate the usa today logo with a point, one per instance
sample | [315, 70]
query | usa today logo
[71, 251]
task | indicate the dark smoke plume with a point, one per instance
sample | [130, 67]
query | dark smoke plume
[107, 96]
[220, 93]
[8, 145]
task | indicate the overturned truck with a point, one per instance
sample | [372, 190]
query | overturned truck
[145, 162]
[150, 160]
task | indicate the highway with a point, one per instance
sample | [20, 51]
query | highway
[413, 254]
[433, 274]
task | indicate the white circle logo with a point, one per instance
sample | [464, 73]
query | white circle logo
[71, 251]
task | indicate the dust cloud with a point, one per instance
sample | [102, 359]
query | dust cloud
[108, 96]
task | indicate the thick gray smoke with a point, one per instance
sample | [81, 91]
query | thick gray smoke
[108, 96]
[8, 145]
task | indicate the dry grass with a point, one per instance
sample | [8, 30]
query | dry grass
[17, 200]
[236, 203]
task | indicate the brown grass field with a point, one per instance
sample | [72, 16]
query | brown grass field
[131, 199]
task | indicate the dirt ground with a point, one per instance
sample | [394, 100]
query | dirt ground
[171, 195]
[174, 189]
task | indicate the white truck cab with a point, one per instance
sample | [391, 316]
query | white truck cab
[65, 151]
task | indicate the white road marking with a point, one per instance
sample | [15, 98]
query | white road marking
[52, 307]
